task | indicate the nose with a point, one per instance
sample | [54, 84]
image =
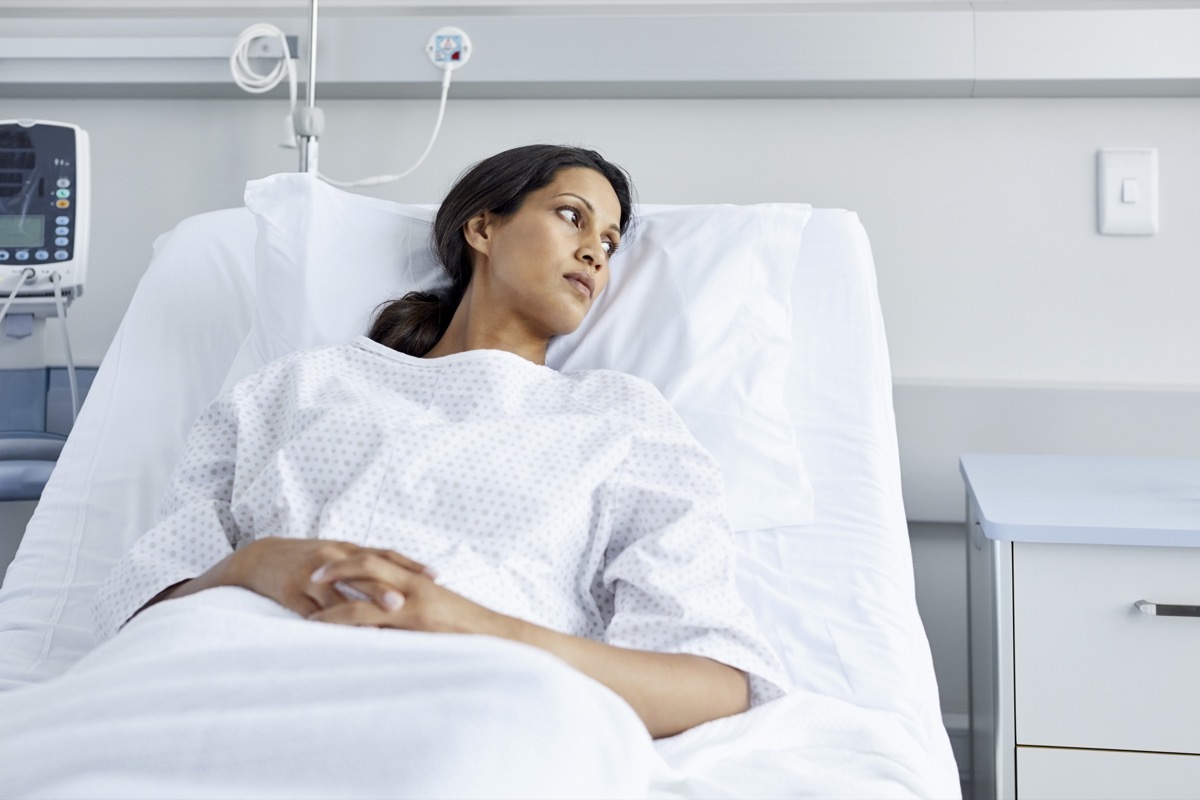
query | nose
[590, 253]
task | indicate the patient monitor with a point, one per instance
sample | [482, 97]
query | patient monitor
[44, 218]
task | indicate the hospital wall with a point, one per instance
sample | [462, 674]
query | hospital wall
[1012, 324]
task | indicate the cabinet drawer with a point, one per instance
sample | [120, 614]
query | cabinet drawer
[1048, 773]
[1090, 670]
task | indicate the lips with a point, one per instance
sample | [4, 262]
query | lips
[583, 281]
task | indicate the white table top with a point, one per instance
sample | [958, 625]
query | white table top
[1086, 499]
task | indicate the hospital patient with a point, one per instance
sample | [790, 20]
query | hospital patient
[437, 476]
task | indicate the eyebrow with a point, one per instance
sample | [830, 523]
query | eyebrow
[590, 208]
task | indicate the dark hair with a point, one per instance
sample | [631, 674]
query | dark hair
[499, 184]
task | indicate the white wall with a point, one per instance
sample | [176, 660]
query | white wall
[981, 215]
[981, 212]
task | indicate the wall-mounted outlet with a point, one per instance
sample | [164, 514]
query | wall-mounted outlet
[271, 47]
[449, 48]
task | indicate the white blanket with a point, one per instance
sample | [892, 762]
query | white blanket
[226, 694]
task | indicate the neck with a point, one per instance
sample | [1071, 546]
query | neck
[473, 328]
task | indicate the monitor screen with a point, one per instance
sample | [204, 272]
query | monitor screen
[21, 231]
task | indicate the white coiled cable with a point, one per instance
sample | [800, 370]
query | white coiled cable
[251, 81]
[255, 83]
[380, 179]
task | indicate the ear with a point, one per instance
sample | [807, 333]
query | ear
[477, 231]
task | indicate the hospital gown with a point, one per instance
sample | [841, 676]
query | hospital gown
[577, 501]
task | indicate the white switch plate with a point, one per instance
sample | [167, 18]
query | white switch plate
[1116, 215]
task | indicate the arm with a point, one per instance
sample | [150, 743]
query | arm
[679, 646]
[668, 579]
[194, 545]
[194, 531]
[218, 575]
[671, 692]
[280, 569]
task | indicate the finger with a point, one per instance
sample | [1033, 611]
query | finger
[321, 593]
[352, 613]
[348, 591]
[406, 562]
[381, 594]
[302, 604]
[332, 551]
[366, 567]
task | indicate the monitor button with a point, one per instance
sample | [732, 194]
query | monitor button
[62, 220]
[63, 193]
[64, 183]
[41, 255]
[22, 255]
[63, 203]
[61, 255]
[3, 255]
[62, 241]
[62, 231]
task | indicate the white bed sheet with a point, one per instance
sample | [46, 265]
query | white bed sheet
[835, 597]
[292, 708]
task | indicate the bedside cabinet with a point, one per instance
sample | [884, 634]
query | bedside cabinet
[1084, 606]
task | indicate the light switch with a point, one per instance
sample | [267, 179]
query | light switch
[1127, 191]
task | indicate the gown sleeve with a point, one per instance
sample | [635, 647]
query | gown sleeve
[668, 575]
[195, 528]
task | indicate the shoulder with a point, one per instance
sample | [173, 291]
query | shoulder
[621, 394]
[293, 365]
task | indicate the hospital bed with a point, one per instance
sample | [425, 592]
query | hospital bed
[834, 595]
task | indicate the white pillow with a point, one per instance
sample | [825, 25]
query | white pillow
[698, 303]
[325, 259]
[186, 320]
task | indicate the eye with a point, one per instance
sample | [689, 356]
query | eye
[573, 215]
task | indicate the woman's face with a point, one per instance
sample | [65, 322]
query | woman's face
[547, 264]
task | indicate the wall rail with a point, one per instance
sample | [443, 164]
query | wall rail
[773, 50]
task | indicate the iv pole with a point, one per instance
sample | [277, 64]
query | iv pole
[309, 121]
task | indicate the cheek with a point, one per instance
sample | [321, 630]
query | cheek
[602, 278]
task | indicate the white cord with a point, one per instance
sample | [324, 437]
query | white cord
[62, 315]
[55, 278]
[379, 179]
[255, 83]
[26, 276]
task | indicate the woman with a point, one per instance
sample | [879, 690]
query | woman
[438, 477]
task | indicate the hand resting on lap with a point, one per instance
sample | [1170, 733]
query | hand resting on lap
[282, 570]
[671, 692]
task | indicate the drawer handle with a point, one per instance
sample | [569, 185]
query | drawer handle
[1163, 610]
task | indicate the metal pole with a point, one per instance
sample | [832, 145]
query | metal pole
[308, 141]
